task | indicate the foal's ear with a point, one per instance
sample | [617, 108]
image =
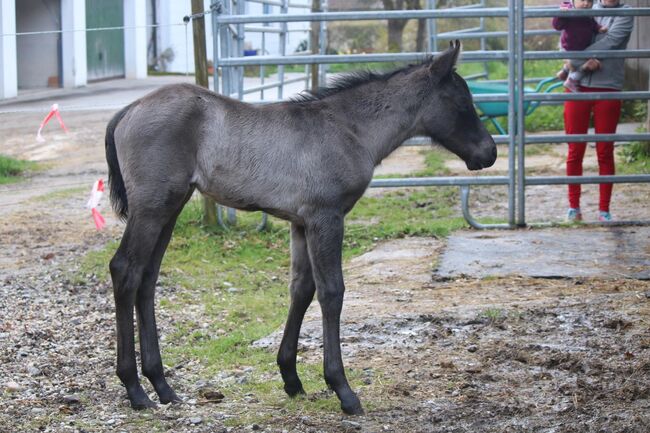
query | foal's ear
[444, 63]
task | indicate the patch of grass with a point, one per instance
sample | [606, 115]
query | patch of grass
[12, 169]
[492, 314]
[634, 158]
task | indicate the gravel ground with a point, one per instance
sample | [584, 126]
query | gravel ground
[507, 354]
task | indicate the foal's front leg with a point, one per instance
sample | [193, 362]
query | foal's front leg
[302, 292]
[325, 242]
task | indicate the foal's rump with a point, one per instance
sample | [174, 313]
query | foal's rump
[151, 149]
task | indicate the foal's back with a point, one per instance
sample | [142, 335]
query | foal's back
[277, 157]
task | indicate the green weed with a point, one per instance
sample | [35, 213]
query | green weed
[12, 169]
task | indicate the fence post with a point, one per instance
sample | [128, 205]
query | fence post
[201, 75]
[314, 43]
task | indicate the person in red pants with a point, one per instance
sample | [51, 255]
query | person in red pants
[606, 75]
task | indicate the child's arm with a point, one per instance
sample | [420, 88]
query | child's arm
[559, 23]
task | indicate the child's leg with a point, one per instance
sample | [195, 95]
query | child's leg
[572, 81]
[576, 75]
[563, 73]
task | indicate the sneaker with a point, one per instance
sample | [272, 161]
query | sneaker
[562, 75]
[572, 85]
[574, 214]
[604, 216]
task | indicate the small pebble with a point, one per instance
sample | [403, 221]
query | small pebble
[70, 399]
[350, 425]
[33, 371]
[472, 348]
[196, 420]
[12, 387]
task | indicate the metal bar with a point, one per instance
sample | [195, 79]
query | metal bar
[241, 9]
[215, 6]
[464, 204]
[468, 30]
[439, 181]
[322, 40]
[430, 13]
[586, 54]
[582, 138]
[564, 180]
[478, 75]
[495, 34]
[284, 9]
[432, 44]
[262, 29]
[270, 85]
[586, 96]
[354, 58]
[368, 15]
[615, 12]
[512, 69]
[521, 117]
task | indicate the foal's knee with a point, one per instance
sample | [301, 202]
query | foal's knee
[331, 297]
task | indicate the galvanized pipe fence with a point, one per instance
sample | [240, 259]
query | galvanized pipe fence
[229, 28]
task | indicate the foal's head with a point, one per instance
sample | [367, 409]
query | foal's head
[449, 117]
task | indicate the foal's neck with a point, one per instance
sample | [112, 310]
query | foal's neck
[382, 114]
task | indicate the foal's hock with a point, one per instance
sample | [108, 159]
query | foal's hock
[307, 161]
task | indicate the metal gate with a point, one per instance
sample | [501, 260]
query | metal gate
[229, 28]
[104, 48]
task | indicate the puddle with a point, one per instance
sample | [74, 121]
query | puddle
[617, 252]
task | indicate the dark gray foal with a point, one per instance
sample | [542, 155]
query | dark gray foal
[307, 161]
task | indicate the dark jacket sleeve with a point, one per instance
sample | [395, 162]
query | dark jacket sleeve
[559, 23]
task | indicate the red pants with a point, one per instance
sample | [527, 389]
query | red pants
[576, 121]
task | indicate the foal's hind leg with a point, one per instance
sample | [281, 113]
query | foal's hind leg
[302, 292]
[152, 367]
[127, 269]
[134, 270]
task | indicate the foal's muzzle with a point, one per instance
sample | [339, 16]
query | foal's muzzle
[483, 159]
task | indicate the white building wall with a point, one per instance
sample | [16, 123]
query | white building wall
[38, 55]
[135, 39]
[175, 36]
[172, 34]
[73, 43]
[8, 66]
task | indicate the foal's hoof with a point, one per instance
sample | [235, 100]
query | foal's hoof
[140, 400]
[169, 397]
[294, 390]
[142, 404]
[352, 407]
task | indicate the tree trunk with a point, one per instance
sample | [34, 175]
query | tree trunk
[395, 32]
[201, 76]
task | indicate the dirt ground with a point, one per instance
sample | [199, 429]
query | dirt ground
[501, 354]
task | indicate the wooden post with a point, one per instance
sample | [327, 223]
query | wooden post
[314, 37]
[201, 74]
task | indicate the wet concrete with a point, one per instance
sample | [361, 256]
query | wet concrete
[607, 252]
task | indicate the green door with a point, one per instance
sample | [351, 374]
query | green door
[105, 48]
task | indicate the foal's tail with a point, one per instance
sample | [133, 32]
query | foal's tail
[118, 191]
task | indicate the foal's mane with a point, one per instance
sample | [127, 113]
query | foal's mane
[355, 79]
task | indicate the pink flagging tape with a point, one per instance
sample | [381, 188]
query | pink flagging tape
[93, 203]
[54, 111]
